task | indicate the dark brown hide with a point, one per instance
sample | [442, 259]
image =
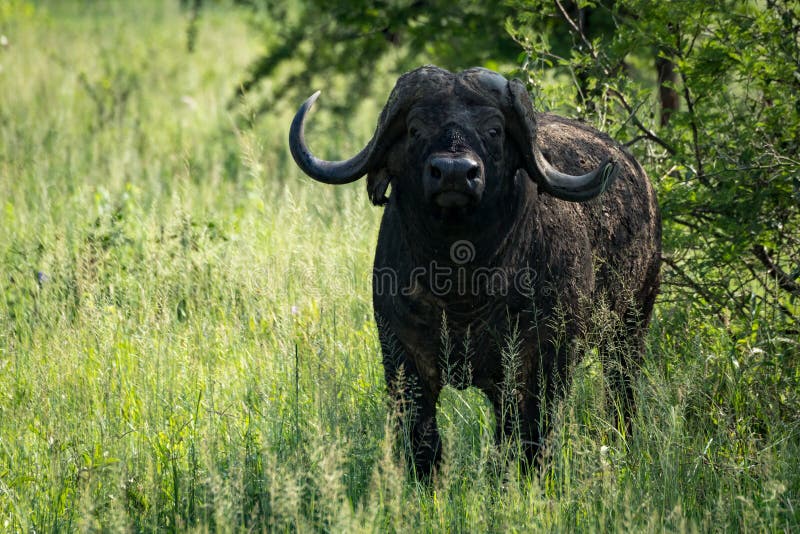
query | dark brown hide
[536, 266]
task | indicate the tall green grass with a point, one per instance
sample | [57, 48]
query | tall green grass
[186, 337]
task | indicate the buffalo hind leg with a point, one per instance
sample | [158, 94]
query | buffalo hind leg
[620, 385]
[622, 357]
[622, 361]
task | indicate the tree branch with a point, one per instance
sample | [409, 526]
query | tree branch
[691, 282]
[698, 155]
[574, 27]
[785, 281]
[647, 132]
[783, 309]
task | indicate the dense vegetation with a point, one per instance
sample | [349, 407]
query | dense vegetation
[186, 339]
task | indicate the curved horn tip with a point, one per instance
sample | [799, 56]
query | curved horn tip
[313, 98]
[329, 172]
[577, 188]
[610, 172]
[309, 103]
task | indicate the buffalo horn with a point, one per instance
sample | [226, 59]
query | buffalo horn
[329, 172]
[575, 188]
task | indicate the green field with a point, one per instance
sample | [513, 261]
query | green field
[187, 341]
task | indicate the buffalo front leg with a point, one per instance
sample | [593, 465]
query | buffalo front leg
[522, 407]
[414, 401]
[519, 425]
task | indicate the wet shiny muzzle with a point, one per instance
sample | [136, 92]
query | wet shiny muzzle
[454, 180]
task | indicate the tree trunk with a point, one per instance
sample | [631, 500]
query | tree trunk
[668, 96]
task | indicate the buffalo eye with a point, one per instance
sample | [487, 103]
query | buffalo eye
[413, 132]
[493, 132]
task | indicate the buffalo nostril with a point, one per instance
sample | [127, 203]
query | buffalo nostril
[454, 171]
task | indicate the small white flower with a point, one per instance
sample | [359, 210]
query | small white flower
[295, 310]
[3, 41]
[189, 102]
[603, 450]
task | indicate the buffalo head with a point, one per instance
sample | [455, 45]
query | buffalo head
[449, 144]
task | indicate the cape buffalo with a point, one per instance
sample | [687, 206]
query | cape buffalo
[505, 229]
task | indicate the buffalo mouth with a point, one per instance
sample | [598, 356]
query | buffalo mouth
[453, 208]
[453, 199]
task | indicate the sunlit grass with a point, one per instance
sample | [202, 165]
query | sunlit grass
[187, 342]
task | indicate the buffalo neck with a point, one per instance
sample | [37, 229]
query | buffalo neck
[497, 235]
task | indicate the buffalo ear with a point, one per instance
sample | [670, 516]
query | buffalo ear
[377, 184]
[521, 124]
[573, 188]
